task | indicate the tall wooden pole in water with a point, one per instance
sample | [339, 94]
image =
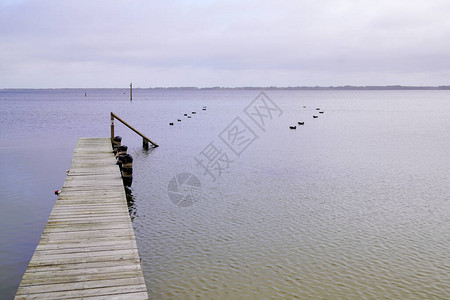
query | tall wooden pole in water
[131, 91]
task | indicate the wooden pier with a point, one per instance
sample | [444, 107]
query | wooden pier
[88, 248]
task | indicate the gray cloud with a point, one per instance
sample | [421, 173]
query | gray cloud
[223, 43]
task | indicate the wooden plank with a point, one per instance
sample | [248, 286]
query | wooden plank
[88, 248]
[108, 244]
[71, 209]
[64, 286]
[91, 248]
[110, 292]
[81, 269]
[80, 217]
[78, 276]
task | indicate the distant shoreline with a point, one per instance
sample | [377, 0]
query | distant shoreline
[320, 88]
[308, 88]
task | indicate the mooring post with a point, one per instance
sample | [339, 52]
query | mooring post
[145, 143]
[131, 91]
[112, 127]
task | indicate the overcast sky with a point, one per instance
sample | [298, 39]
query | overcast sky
[107, 43]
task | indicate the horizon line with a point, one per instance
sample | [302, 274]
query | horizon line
[342, 87]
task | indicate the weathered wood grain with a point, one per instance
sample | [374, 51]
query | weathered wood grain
[88, 249]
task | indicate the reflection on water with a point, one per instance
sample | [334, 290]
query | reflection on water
[353, 204]
[143, 154]
[130, 202]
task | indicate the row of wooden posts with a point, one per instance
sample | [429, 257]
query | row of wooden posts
[124, 160]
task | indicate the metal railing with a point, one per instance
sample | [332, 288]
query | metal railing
[145, 140]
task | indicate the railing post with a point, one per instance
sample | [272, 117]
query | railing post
[112, 127]
[145, 143]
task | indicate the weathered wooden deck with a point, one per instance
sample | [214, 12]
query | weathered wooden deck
[88, 248]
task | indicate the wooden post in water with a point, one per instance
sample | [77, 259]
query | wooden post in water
[131, 91]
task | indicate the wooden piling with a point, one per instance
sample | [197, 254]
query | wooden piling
[131, 91]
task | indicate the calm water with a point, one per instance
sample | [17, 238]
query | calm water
[354, 204]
